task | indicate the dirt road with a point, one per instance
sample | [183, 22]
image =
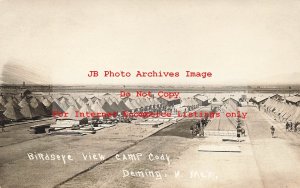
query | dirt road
[278, 159]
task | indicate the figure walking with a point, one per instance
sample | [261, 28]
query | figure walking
[287, 126]
[2, 126]
[238, 132]
[272, 131]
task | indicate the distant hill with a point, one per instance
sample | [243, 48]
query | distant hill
[284, 78]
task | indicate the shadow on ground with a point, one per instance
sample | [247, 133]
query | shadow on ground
[181, 129]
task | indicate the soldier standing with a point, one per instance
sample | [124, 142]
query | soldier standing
[238, 132]
[272, 131]
[2, 126]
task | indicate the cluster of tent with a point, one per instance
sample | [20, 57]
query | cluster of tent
[282, 111]
[30, 107]
[189, 103]
[16, 108]
[107, 104]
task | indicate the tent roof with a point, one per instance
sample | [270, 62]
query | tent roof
[55, 107]
[46, 102]
[71, 114]
[293, 99]
[2, 108]
[27, 111]
[106, 107]
[13, 113]
[130, 105]
[97, 108]
[85, 108]
[122, 106]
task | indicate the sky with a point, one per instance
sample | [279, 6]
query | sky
[60, 41]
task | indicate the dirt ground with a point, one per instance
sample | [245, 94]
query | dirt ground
[18, 171]
[192, 168]
[262, 161]
[20, 133]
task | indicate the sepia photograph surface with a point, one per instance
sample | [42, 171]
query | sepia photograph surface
[139, 93]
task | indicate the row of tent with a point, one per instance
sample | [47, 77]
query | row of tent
[282, 111]
[26, 108]
[14, 108]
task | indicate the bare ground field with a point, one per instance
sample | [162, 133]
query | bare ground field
[262, 162]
